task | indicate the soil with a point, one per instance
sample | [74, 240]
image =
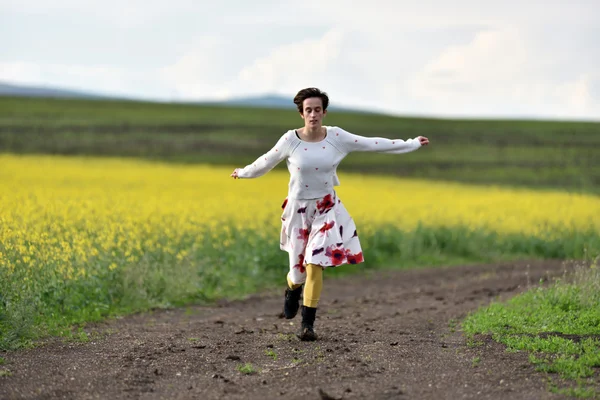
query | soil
[390, 335]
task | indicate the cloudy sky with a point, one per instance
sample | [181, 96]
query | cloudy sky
[538, 59]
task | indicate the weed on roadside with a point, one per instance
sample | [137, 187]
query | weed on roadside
[247, 369]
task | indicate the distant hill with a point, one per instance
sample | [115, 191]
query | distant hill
[268, 100]
[7, 89]
[275, 101]
[262, 101]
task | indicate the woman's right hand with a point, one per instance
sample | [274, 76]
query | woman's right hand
[423, 140]
[234, 174]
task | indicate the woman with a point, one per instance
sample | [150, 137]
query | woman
[317, 231]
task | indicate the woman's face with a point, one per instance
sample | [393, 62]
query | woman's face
[313, 112]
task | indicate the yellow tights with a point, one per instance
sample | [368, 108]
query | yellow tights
[312, 286]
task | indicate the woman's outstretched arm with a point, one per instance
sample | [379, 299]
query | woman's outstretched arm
[266, 162]
[353, 142]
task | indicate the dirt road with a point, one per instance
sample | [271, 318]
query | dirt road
[390, 336]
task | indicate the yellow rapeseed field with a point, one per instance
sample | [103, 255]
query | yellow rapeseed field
[84, 238]
[66, 211]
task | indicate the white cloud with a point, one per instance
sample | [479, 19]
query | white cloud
[284, 69]
[577, 97]
[289, 67]
[21, 72]
[487, 64]
[198, 73]
[499, 73]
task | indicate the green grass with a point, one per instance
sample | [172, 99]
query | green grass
[246, 369]
[559, 326]
[271, 353]
[544, 154]
[578, 391]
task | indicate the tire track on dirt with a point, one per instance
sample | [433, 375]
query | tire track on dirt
[390, 335]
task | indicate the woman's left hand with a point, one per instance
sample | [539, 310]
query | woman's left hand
[423, 140]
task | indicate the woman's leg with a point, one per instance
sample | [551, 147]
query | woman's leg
[291, 284]
[297, 273]
[295, 278]
[312, 293]
[313, 285]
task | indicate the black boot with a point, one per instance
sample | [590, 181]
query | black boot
[292, 302]
[307, 332]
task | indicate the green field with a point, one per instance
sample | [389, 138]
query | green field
[539, 154]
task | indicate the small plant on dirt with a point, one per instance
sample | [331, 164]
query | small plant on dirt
[246, 369]
[296, 360]
[287, 337]
[452, 325]
[320, 357]
[81, 336]
[190, 311]
[473, 343]
[5, 372]
[2, 361]
[193, 339]
[271, 353]
[475, 361]
[76, 336]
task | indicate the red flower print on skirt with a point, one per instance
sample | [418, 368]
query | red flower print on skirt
[326, 204]
[303, 235]
[284, 203]
[300, 264]
[335, 254]
[354, 258]
[327, 226]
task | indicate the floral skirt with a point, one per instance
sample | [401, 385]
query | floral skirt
[318, 231]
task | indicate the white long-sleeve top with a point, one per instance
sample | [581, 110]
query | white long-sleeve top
[313, 165]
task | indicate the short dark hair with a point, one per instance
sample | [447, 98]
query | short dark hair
[307, 94]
